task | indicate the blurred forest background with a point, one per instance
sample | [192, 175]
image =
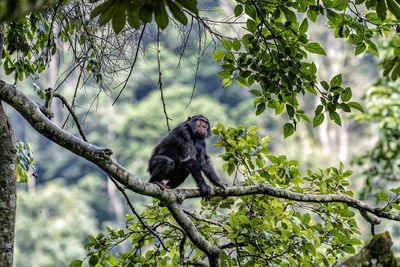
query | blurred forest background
[68, 198]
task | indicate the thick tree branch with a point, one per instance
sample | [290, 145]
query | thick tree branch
[101, 157]
[267, 189]
[183, 220]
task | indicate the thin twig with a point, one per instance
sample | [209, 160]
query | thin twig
[133, 64]
[197, 67]
[160, 77]
[122, 190]
[51, 29]
[78, 124]
[74, 97]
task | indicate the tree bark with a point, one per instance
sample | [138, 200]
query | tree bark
[8, 180]
[377, 253]
[7, 190]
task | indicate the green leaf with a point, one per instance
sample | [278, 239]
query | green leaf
[305, 117]
[107, 15]
[219, 54]
[372, 48]
[356, 106]
[340, 5]
[255, 92]
[260, 108]
[238, 10]
[346, 95]
[225, 74]
[360, 48]
[119, 19]
[318, 119]
[241, 81]
[325, 85]
[354, 241]
[304, 26]
[279, 107]
[336, 81]
[76, 263]
[133, 19]
[251, 26]
[288, 129]
[306, 218]
[311, 89]
[349, 249]
[146, 12]
[226, 82]
[227, 44]
[394, 8]
[160, 15]
[273, 159]
[177, 12]
[381, 9]
[191, 5]
[319, 109]
[315, 48]
[100, 9]
[290, 110]
[236, 44]
[253, 129]
[289, 14]
[312, 15]
[382, 196]
[336, 118]
[93, 259]
[265, 141]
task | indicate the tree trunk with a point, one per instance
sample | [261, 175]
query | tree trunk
[377, 253]
[8, 197]
[7, 190]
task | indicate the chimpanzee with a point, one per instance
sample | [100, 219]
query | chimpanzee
[183, 152]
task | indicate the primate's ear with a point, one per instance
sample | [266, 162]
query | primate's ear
[188, 119]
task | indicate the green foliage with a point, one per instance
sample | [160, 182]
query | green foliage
[251, 229]
[53, 221]
[30, 42]
[274, 54]
[382, 161]
[137, 13]
[24, 161]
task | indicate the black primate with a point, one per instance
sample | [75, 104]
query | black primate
[183, 152]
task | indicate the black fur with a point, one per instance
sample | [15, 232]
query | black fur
[181, 153]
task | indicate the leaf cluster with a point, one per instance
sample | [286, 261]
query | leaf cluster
[250, 230]
[140, 12]
[30, 42]
[24, 161]
[273, 54]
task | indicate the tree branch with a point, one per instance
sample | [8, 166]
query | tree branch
[101, 157]
[183, 220]
[145, 226]
[267, 189]
[78, 124]
[160, 77]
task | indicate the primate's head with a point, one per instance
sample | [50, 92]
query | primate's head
[200, 126]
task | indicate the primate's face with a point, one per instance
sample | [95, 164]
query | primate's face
[202, 127]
